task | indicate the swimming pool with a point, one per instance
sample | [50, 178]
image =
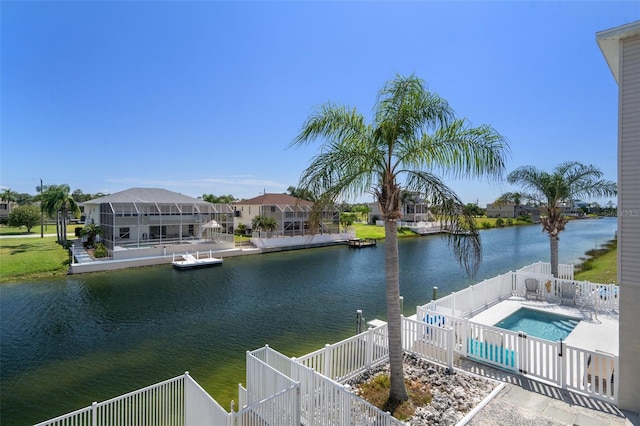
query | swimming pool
[544, 325]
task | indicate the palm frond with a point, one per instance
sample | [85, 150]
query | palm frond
[463, 236]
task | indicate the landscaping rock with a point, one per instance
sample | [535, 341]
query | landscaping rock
[454, 395]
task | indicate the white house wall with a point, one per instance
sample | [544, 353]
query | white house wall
[629, 221]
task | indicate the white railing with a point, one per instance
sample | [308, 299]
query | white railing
[324, 401]
[472, 299]
[434, 342]
[592, 373]
[565, 271]
[350, 357]
[201, 408]
[162, 403]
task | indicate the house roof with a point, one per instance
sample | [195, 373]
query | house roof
[146, 196]
[275, 199]
[609, 40]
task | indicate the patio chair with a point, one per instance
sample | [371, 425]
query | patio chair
[532, 288]
[567, 292]
[593, 373]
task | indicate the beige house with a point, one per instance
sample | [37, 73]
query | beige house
[6, 207]
[292, 215]
[511, 210]
[412, 209]
[621, 49]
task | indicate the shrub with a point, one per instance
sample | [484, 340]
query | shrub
[485, 224]
[77, 231]
[524, 218]
[500, 222]
[100, 251]
[509, 222]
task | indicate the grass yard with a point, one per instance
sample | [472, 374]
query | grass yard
[377, 232]
[601, 266]
[48, 229]
[31, 257]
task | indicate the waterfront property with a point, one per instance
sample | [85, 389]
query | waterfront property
[293, 216]
[142, 222]
[310, 389]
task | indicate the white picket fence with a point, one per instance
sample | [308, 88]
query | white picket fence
[565, 271]
[350, 357]
[324, 401]
[478, 297]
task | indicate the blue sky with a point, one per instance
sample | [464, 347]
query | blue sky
[205, 97]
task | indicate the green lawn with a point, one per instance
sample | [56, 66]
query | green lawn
[603, 269]
[48, 229]
[377, 232]
[31, 257]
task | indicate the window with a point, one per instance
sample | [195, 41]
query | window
[124, 233]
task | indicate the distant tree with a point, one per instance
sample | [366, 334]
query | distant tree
[27, 216]
[473, 209]
[241, 229]
[91, 231]
[57, 201]
[264, 223]
[362, 210]
[24, 199]
[567, 181]
[219, 199]
[302, 193]
[9, 196]
[347, 219]
[81, 197]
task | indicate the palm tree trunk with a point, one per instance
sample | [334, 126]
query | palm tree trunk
[64, 226]
[553, 242]
[398, 391]
[58, 226]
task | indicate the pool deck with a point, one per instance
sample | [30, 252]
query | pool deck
[593, 332]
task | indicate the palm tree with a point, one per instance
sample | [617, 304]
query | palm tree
[91, 231]
[57, 200]
[264, 223]
[568, 180]
[9, 196]
[413, 135]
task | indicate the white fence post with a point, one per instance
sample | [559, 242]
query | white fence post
[327, 360]
[561, 365]
[94, 414]
[450, 345]
[368, 355]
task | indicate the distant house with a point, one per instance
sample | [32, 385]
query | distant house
[293, 215]
[511, 210]
[151, 221]
[413, 208]
[6, 207]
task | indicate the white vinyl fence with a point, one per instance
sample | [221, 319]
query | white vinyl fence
[592, 373]
[162, 403]
[324, 401]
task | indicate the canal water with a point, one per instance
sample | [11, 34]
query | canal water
[71, 341]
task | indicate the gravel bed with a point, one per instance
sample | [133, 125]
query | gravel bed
[454, 395]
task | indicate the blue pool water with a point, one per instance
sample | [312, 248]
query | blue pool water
[540, 324]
